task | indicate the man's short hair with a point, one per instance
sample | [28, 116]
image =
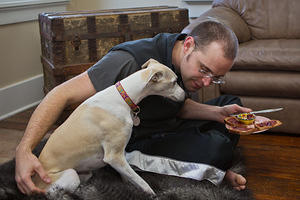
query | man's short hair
[210, 31]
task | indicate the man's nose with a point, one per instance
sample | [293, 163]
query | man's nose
[206, 81]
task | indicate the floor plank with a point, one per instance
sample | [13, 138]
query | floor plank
[9, 139]
[273, 165]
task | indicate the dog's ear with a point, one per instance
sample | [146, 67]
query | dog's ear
[156, 76]
[148, 62]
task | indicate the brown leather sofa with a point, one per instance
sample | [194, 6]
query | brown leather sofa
[266, 73]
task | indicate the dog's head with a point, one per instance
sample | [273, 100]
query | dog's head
[161, 81]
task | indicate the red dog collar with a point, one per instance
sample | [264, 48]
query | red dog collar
[133, 106]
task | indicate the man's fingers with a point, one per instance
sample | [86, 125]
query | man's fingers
[20, 184]
[240, 109]
[24, 188]
[26, 166]
[31, 188]
[21, 188]
[42, 173]
[246, 109]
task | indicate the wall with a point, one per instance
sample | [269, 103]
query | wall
[104, 4]
[20, 43]
[21, 78]
[195, 8]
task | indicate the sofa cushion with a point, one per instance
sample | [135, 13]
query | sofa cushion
[262, 83]
[267, 19]
[269, 55]
[227, 17]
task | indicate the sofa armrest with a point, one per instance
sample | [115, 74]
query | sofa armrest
[226, 16]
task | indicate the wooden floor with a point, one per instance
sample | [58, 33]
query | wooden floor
[272, 160]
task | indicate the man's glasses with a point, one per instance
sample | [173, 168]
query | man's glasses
[206, 73]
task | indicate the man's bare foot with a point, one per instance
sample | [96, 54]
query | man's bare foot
[237, 181]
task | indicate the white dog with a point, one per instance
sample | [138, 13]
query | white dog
[97, 132]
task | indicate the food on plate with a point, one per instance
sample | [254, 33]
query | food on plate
[259, 124]
[234, 121]
[242, 130]
[267, 124]
[236, 126]
[246, 118]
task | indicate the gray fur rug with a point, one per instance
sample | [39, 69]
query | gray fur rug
[106, 184]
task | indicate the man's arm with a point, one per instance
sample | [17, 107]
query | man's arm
[75, 90]
[194, 110]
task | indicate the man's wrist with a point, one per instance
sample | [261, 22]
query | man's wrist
[221, 114]
[23, 147]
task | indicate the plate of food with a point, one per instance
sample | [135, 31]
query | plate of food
[248, 123]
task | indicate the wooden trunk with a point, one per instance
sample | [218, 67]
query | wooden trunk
[73, 41]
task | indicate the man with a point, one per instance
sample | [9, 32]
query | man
[183, 133]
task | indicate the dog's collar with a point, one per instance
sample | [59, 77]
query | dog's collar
[135, 109]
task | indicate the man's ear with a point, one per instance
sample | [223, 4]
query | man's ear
[156, 76]
[148, 62]
[189, 44]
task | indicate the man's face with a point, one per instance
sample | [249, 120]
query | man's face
[210, 60]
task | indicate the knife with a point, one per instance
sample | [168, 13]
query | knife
[262, 111]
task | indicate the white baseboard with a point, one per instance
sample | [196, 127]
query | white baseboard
[21, 96]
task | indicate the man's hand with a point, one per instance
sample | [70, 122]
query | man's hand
[227, 110]
[27, 165]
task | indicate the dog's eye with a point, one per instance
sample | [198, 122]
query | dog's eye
[174, 82]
